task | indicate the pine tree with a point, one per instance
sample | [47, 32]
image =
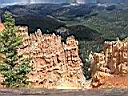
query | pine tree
[14, 67]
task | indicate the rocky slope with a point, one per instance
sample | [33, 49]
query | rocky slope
[56, 65]
[110, 67]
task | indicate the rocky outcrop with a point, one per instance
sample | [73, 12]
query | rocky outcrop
[55, 64]
[1, 27]
[111, 63]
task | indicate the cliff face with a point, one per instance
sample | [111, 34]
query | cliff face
[110, 67]
[56, 65]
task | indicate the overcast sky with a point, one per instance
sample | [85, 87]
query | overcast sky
[32, 1]
[42, 1]
[55, 1]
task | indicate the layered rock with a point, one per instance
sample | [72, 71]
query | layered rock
[111, 63]
[56, 65]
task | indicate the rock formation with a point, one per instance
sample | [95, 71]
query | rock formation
[111, 63]
[1, 27]
[55, 64]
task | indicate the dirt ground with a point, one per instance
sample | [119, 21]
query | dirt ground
[45, 92]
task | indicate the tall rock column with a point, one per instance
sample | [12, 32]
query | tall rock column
[55, 64]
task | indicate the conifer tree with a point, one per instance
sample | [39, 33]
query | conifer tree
[14, 67]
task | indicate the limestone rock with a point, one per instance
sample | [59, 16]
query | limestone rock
[56, 65]
[113, 61]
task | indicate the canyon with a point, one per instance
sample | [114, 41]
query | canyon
[57, 64]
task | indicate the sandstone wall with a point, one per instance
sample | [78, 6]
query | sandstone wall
[112, 61]
[56, 65]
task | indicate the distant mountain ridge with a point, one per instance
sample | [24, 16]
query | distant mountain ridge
[46, 16]
[112, 1]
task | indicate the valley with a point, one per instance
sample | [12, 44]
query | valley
[90, 24]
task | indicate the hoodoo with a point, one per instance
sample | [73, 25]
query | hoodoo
[110, 67]
[56, 65]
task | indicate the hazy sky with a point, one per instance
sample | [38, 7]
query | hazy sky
[32, 1]
[43, 1]
[55, 1]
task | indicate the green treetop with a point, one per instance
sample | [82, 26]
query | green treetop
[14, 68]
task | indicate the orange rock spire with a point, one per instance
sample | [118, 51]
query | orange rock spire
[56, 65]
